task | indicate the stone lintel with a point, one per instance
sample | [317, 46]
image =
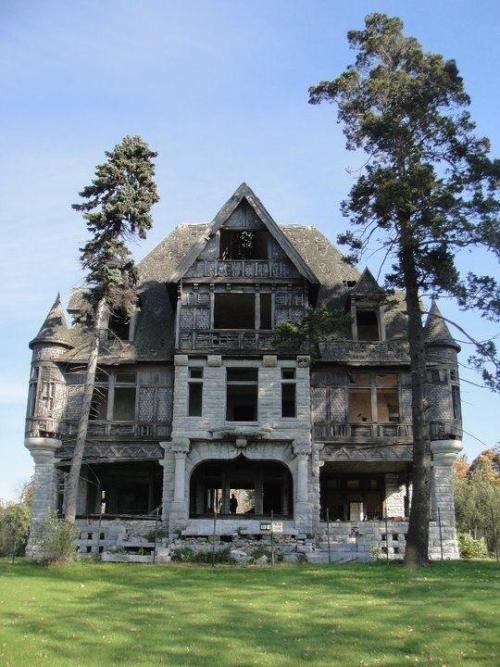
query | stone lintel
[214, 360]
[269, 360]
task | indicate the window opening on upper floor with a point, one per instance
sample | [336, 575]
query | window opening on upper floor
[114, 396]
[288, 393]
[195, 391]
[242, 394]
[374, 398]
[234, 311]
[265, 310]
[367, 324]
[455, 399]
[243, 244]
[118, 325]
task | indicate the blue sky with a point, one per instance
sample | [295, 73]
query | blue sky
[219, 89]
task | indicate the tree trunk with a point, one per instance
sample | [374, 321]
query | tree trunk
[417, 544]
[71, 492]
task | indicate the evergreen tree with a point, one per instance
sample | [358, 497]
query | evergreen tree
[117, 206]
[427, 191]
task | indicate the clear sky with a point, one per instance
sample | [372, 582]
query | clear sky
[219, 89]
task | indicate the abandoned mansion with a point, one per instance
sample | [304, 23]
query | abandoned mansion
[197, 410]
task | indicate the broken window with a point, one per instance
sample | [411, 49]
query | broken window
[195, 392]
[455, 397]
[373, 398]
[99, 403]
[288, 393]
[118, 325]
[246, 244]
[265, 311]
[234, 311]
[124, 395]
[367, 324]
[242, 392]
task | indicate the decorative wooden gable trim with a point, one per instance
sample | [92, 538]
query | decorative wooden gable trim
[244, 192]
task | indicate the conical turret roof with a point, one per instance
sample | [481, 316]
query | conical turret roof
[436, 331]
[54, 328]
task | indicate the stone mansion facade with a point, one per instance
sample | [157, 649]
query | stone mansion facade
[196, 409]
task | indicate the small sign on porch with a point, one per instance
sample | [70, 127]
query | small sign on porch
[275, 526]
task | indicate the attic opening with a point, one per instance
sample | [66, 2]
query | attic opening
[243, 244]
[118, 325]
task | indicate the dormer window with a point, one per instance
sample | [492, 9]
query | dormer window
[367, 322]
[243, 244]
[118, 325]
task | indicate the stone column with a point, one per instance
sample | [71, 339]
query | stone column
[178, 511]
[444, 454]
[302, 505]
[44, 483]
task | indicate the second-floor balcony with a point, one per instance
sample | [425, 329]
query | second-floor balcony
[48, 427]
[226, 340]
[242, 268]
[391, 431]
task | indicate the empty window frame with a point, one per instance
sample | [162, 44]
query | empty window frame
[195, 392]
[243, 244]
[237, 310]
[124, 395]
[455, 399]
[367, 324]
[374, 398]
[118, 325]
[234, 311]
[288, 393]
[242, 394]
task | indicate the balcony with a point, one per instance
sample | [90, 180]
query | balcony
[336, 431]
[345, 432]
[242, 268]
[44, 427]
[227, 340]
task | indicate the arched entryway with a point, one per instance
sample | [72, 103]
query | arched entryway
[241, 488]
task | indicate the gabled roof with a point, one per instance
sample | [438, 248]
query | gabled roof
[54, 329]
[245, 193]
[436, 331]
[367, 286]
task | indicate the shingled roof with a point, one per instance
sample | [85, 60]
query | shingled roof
[54, 329]
[154, 334]
[436, 330]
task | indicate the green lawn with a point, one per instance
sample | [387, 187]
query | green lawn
[123, 614]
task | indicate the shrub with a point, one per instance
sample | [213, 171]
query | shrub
[155, 535]
[55, 541]
[188, 555]
[14, 528]
[471, 548]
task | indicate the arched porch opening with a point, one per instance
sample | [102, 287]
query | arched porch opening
[241, 489]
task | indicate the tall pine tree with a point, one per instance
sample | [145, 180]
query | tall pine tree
[117, 207]
[428, 190]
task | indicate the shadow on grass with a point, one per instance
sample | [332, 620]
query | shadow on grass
[109, 614]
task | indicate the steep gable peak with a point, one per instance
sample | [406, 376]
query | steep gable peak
[253, 211]
[367, 286]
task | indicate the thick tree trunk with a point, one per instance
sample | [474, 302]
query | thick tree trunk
[417, 544]
[71, 490]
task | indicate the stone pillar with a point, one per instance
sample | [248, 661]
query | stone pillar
[302, 505]
[394, 496]
[259, 494]
[44, 483]
[178, 511]
[444, 454]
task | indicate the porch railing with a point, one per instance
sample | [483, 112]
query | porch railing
[439, 430]
[45, 427]
[241, 268]
[226, 340]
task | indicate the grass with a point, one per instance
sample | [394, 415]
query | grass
[122, 614]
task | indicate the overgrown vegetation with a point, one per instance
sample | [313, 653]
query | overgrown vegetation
[188, 555]
[477, 499]
[15, 518]
[55, 541]
[470, 548]
[375, 615]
